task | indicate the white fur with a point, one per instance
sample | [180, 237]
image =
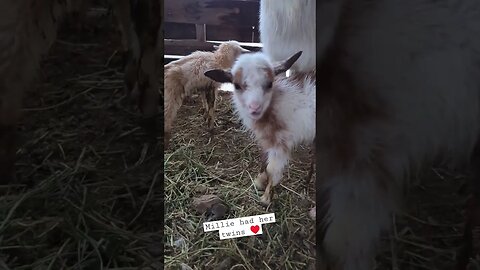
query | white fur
[421, 59]
[254, 77]
[286, 27]
[293, 105]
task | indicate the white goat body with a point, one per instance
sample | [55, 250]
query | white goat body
[286, 27]
[280, 112]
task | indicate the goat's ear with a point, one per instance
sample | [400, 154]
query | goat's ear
[245, 50]
[287, 64]
[219, 75]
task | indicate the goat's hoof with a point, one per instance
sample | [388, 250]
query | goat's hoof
[261, 181]
[265, 200]
[313, 213]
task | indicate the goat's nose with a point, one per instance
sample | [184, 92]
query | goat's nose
[254, 106]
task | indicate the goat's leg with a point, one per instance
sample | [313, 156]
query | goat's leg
[148, 84]
[10, 105]
[262, 178]
[277, 160]
[130, 77]
[310, 171]
[143, 48]
[356, 207]
[203, 97]
[313, 212]
[147, 18]
[174, 95]
[121, 9]
[130, 45]
[210, 96]
[471, 244]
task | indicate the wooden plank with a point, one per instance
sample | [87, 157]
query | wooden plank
[256, 35]
[225, 32]
[213, 12]
[185, 47]
[168, 59]
[179, 31]
[201, 32]
[213, 32]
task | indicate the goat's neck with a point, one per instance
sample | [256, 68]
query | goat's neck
[224, 60]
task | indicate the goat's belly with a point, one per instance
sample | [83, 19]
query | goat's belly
[287, 27]
[279, 48]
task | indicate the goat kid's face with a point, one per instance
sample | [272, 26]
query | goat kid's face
[253, 77]
[254, 90]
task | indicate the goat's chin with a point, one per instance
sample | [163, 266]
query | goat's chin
[256, 116]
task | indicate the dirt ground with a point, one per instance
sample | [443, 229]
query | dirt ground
[88, 194]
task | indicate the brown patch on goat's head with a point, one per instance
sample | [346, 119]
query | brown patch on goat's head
[270, 126]
[270, 77]
[238, 80]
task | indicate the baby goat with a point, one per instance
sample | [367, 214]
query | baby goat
[185, 75]
[280, 112]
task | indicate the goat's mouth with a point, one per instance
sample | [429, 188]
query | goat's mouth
[256, 114]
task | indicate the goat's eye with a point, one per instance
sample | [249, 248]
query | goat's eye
[237, 86]
[269, 85]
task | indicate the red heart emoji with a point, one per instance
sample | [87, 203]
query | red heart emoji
[255, 228]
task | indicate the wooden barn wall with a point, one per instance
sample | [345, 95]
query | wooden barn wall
[189, 23]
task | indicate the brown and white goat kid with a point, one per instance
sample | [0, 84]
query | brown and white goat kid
[280, 112]
[286, 27]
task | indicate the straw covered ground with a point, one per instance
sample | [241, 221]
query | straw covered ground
[226, 166]
[88, 195]
[426, 235]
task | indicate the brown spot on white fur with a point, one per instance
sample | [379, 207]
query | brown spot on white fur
[269, 74]
[274, 129]
[270, 126]
[238, 79]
